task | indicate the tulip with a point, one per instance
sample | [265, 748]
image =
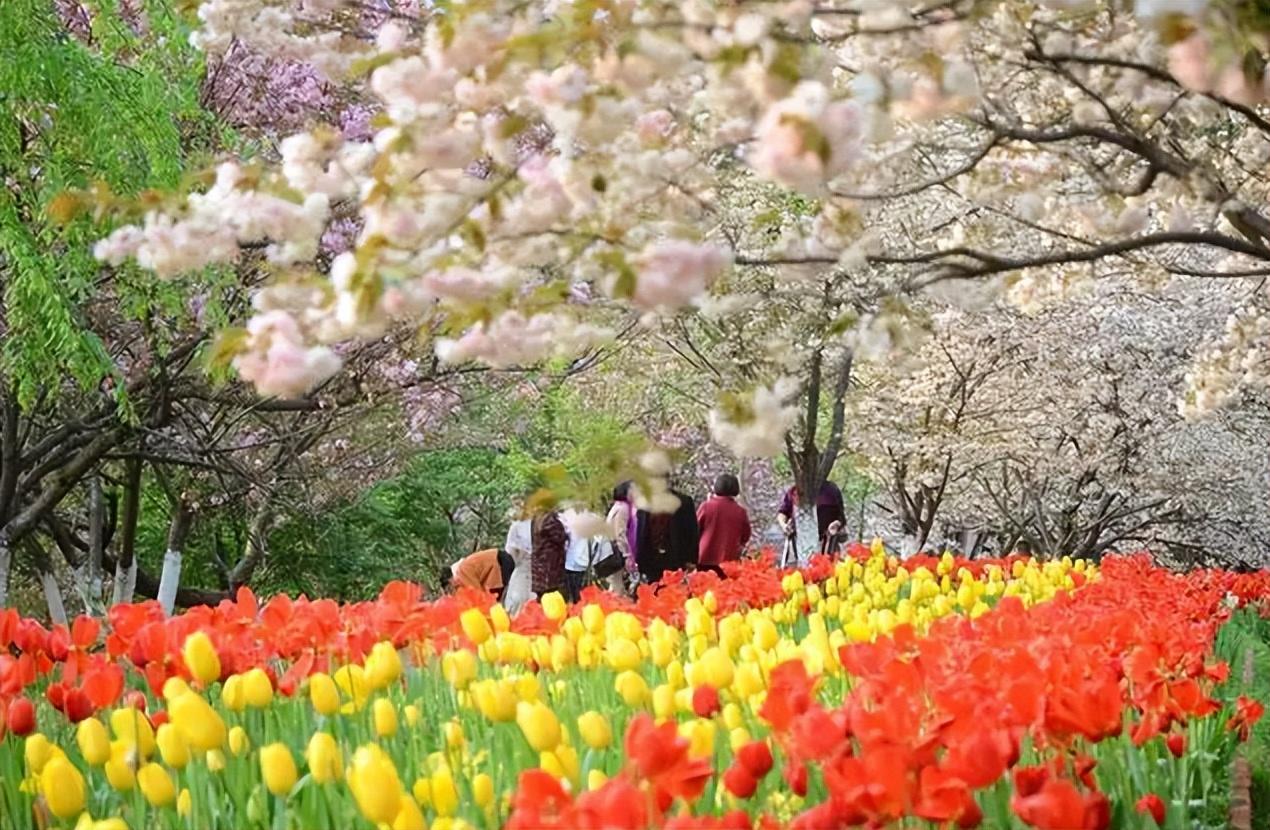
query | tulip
[215, 760]
[385, 718]
[375, 785]
[483, 790]
[63, 788]
[174, 687]
[257, 688]
[475, 626]
[595, 730]
[705, 701]
[623, 655]
[596, 779]
[383, 665]
[739, 782]
[539, 725]
[20, 717]
[445, 796]
[495, 699]
[498, 617]
[184, 803]
[459, 667]
[554, 607]
[409, 816]
[453, 732]
[156, 785]
[323, 694]
[201, 657]
[412, 715]
[633, 689]
[198, 723]
[277, 767]
[132, 727]
[172, 747]
[239, 743]
[325, 760]
[234, 693]
[93, 741]
[121, 769]
[352, 683]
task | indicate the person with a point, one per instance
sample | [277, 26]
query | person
[667, 541]
[486, 570]
[829, 509]
[622, 526]
[582, 561]
[519, 546]
[548, 542]
[724, 524]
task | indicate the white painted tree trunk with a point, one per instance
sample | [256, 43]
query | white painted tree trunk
[808, 539]
[125, 583]
[170, 580]
[53, 596]
[909, 545]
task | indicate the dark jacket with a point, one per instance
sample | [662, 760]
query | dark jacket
[547, 558]
[667, 542]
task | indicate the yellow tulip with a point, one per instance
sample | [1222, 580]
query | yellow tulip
[110, 824]
[93, 741]
[132, 727]
[385, 718]
[121, 768]
[716, 668]
[459, 668]
[201, 657]
[554, 607]
[234, 693]
[453, 732]
[632, 688]
[664, 702]
[623, 655]
[482, 790]
[372, 777]
[422, 791]
[215, 760]
[732, 717]
[412, 714]
[277, 767]
[596, 779]
[595, 730]
[539, 725]
[593, 618]
[409, 816]
[325, 760]
[323, 694]
[498, 616]
[475, 626]
[198, 722]
[383, 665]
[568, 759]
[563, 653]
[172, 747]
[257, 688]
[37, 750]
[156, 785]
[184, 803]
[173, 688]
[495, 699]
[445, 796]
[63, 788]
[738, 738]
[239, 743]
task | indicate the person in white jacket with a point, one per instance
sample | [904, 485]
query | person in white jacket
[519, 545]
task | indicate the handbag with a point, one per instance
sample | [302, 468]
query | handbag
[604, 568]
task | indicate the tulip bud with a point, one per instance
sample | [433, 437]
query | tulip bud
[20, 717]
[409, 816]
[172, 747]
[239, 743]
[257, 688]
[539, 725]
[554, 607]
[385, 717]
[201, 657]
[197, 722]
[445, 796]
[459, 668]
[234, 693]
[595, 730]
[277, 767]
[383, 665]
[323, 694]
[475, 626]
[376, 788]
[184, 803]
[93, 741]
[483, 790]
[63, 788]
[156, 785]
[325, 760]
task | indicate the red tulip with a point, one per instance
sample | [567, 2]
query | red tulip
[739, 781]
[705, 701]
[137, 700]
[21, 717]
[756, 757]
[1152, 805]
[1176, 743]
[78, 706]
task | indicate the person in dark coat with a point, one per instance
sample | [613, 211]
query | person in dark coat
[829, 509]
[724, 524]
[549, 539]
[667, 541]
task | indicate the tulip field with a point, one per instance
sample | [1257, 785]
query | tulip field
[866, 691]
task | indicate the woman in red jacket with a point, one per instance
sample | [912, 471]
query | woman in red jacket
[725, 525]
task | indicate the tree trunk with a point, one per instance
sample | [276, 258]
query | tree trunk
[96, 539]
[52, 590]
[126, 562]
[256, 548]
[170, 579]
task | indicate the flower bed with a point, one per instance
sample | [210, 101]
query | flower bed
[997, 693]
